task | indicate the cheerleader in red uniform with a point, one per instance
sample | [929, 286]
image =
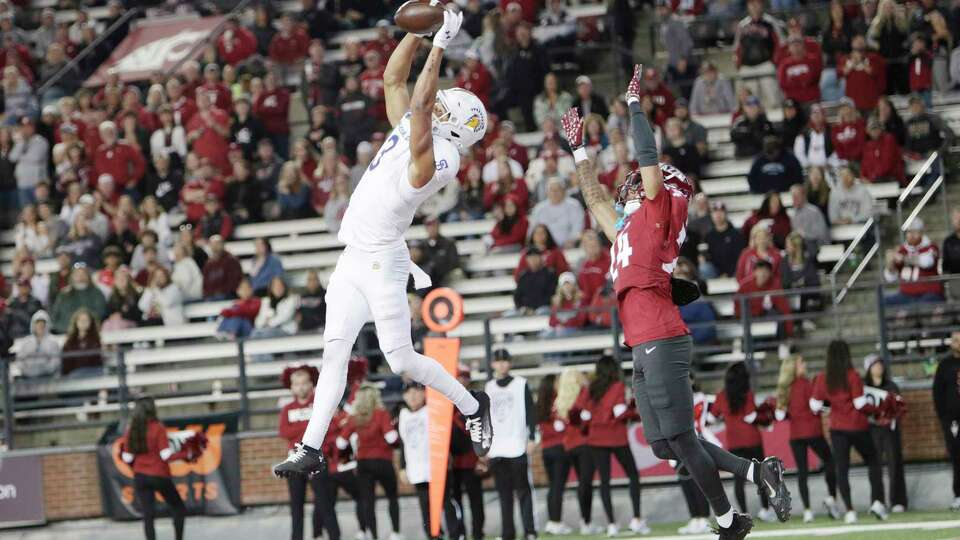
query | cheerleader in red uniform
[294, 416]
[371, 426]
[735, 404]
[146, 449]
[556, 461]
[569, 387]
[843, 389]
[605, 413]
[794, 391]
[466, 468]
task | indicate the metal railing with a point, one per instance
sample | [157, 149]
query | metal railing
[934, 159]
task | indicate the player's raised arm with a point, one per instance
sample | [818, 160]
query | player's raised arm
[395, 77]
[599, 202]
[423, 101]
[645, 144]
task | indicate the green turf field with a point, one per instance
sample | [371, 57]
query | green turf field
[826, 528]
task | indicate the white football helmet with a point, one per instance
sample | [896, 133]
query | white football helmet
[463, 120]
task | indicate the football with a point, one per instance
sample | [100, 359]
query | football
[419, 17]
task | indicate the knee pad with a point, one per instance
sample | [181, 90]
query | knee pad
[400, 360]
[662, 450]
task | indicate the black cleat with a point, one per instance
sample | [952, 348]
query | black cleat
[738, 530]
[303, 461]
[479, 425]
[769, 475]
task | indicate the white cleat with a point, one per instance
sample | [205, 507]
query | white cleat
[695, 526]
[956, 505]
[830, 504]
[879, 510]
[612, 530]
[808, 516]
[850, 517]
[898, 509]
[562, 528]
[587, 529]
[639, 526]
[395, 536]
[767, 515]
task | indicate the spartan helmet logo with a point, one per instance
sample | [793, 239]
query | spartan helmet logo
[474, 122]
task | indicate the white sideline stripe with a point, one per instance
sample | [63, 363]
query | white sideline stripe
[823, 531]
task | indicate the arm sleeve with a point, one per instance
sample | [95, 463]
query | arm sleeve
[531, 412]
[644, 141]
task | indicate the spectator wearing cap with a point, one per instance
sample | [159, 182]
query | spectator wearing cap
[850, 201]
[353, 114]
[799, 73]
[849, 132]
[184, 107]
[758, 36]
[221, 273]
[750, 128]
[215, 220]
[588, 102]
[592, 270]
[926, 132]
[566, 307]
[320, 81]
[535, 286]
[808, 220]
[383, 43]
[371, 83]
[510, 231]
[560, 213]
[208, 133]
[21, 307]
[654, 87]
[245, 129]
[475, 77]
[774, 303]
[951, 250]
[724, 244]
[163, 182]
[524, 68]
[80, 294]
[30, 156]
[236, 43]
[775, 169]
[39, 353]
[811, 45]
[865, 74]
[119, 159]
[103, 278]
[217, 93]
[882, 157]
[915, 260]
[813, 147]
[515, 151]
[712, 93]
[793, 123]
[500, 155]
[46, 34]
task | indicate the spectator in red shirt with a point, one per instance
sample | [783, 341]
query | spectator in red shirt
[654, 87]
[290, 44]
[795, 29]
[843, 389]
[272, 108]
[183, 106]
[475, 77]
[236, 43]
[774, 304]
[775, 215]
[506, 185]
[118, 159]
[556, 460]
[566, 307]
[191, 77]
[528, 8]
[376, 438]
[146, 449]
[371, 83]
[384, 43]
[510, 230]
[553, 257]
[849, 132]
[593, 269]
[921, 69]
[735, 404]
[515, 150]
[237, 320]
[208, 133]
[221, 273]
[799, 73]
[194, 193]
[604, 413]
[794, 391]
[131, 104]
[217, 92]
[916, 259]
[865, 73]
[882, 157]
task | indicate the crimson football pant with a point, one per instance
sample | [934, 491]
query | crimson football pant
[323, 516]
[822, 450]
[467, 480]
[843, 442]
[145, 489]
[661, 385]
[601, 457]
[752, 452]
[378, 471]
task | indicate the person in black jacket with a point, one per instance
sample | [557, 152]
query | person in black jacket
[946, 400]
[535, 286]
[724, 244]
[950, 254]
[587, 102]
[163, 181]
[242, 197]
[441, 251]
[245, 130]
[775, 169]
[887, 436]
[21, 308]
[524, 69]
[749, 129]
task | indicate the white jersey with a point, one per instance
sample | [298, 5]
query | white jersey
[508, 414]
[414, 432]
[382, 207]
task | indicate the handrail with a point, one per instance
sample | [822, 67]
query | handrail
[849, 251]
[916, 178]
[856, 273]
[87, 50]
[923, 202]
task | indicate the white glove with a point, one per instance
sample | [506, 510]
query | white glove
[585, 415]
[559, 426]
[446, 33]
[619, 409]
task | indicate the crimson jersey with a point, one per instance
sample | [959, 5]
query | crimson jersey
[642, 260]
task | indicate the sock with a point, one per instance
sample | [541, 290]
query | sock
[726, 519]
[750, 473]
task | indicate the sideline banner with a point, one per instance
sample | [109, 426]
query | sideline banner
[21, 491]
[210, 486]
[153, 46]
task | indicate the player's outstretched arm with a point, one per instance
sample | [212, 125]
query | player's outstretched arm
[395, 77]
[423, 100]
[598, 201]
[645, 144]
